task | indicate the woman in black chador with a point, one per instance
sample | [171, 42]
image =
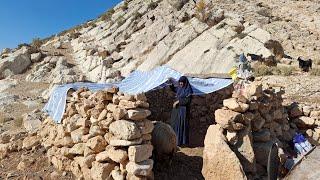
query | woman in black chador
[181, 110]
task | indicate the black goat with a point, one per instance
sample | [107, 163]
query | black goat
[255, 57]
[305, 65]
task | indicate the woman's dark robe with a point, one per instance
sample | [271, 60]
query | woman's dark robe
[180, 117]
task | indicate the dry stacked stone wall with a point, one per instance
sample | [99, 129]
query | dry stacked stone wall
[248, 124]
[103, 135]
[202, 110]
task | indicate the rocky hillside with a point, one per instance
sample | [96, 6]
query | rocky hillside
[195, 37]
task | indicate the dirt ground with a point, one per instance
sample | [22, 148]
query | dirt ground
[36, 166]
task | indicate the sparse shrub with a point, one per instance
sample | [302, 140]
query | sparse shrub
[120, 21]
[265, 12]
[263, 70]
[18, 122]
[152, 5]
[315, 72]
[124, 7]
[36, 42]
[103, 54]
[136, 15]
[107, 16]
[283, 70]
[74, 35]
[23, 44]
[203, 11]
[276, 48]
[92, 24]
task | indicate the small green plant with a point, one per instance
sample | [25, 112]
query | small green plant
[315, 72]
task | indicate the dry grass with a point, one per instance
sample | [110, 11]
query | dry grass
[18, 122]
[37, 42]
[263, 70]
[315, 72]
[202, 11]
[124, 7]
[107, 16]
[284, 71]
[120, 21]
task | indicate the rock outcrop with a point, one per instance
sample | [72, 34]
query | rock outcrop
[15, 63]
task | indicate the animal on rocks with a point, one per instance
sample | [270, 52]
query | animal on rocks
[305, 65]
[255, 57]
[164, 141]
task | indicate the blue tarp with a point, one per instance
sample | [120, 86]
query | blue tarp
[136, 83]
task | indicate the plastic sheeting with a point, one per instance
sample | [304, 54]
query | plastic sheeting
[136, 83]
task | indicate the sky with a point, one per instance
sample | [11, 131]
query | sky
[23, 20]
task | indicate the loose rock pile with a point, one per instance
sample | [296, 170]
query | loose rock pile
[247, 126]
[103, 135]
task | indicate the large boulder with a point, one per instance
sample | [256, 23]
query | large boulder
[17, 63]
[219, 161]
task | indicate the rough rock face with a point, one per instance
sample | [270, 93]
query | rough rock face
[127, 41]
[16, 63]
[219, 161]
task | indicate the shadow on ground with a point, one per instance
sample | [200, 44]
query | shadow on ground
[182, 167]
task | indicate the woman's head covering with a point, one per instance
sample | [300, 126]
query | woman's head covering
[186, 90]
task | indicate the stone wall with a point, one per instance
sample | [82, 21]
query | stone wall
[103, 134]
[202, 110]
[247, 126]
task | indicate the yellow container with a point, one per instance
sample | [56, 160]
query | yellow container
[233, 73]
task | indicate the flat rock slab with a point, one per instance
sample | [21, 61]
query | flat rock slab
[308, 169]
